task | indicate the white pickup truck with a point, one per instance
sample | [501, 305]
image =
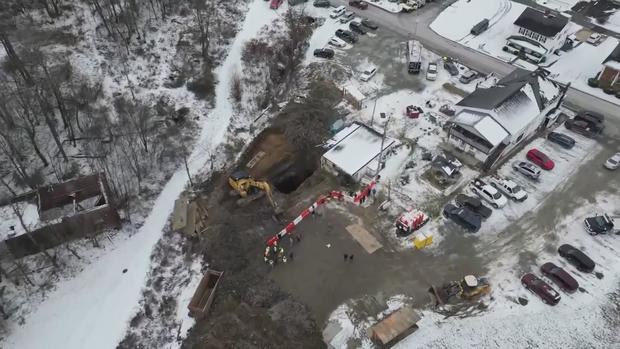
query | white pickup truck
[508, 188]
[488, 193]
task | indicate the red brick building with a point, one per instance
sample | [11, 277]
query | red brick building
[610, 75]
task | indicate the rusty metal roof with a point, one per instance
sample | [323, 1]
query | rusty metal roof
[58, 195]
[394, 325]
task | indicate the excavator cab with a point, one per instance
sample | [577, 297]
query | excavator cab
[250, 189]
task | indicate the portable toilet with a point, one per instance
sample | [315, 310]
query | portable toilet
[337, 126]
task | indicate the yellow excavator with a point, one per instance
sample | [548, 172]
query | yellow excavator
[250, 189]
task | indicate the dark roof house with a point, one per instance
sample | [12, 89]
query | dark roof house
[546, 24]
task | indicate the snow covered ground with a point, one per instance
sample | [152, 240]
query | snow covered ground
[92, 310]
[506, 324]
[10, 225]
[612, 23]
[575, 66]
[386, 5]
[467, 14]
[559, 5]
[571, 67]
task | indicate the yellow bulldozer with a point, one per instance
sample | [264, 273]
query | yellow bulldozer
[469, 288]
[250, 189]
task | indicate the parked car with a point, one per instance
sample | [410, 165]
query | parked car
[450, 66]
[322, 3]
[362, 5]
[296, 2]
[324, 53]
[336, 42]
[275, 4]
[613, 162]
[577, 258]
[590, 117]
[542, 289]
[369, 24]
[480, 27]
[539, 158]
[474, 204]
[560, 277]
[337, 12]
[560, 138]
[508, 188]
[583, 128]
[526, 169]
[468, 76]
[595, 39]
[346, 35]
[357, 27]
[463, 216]
[368, 73]
[431, 72]
[488, 193]
[347, 17]
[599, 224]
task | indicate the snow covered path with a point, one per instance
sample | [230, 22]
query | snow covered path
[93, 309]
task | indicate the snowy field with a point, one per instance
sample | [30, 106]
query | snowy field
[92, 309]
[575, 66]
[506, 324]
[564, 70]
[386, 5]
[613, 22]
[456, 21]
[559, 5]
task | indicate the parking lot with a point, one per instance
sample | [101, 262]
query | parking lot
[515, 239]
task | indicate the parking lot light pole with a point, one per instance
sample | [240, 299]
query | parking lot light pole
[382, 144]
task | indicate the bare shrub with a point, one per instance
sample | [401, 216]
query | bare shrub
[204, 85]
[236, 88]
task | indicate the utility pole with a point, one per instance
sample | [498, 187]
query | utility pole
[382, 144]
[187, 170]
[372, 118]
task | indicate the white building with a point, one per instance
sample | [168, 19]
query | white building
[355, 150]
[492, 121]
[537, 34]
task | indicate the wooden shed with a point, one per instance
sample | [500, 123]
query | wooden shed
[394, 327]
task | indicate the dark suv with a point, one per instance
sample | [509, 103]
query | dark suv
[584, 128]
[473, 204]
[561, 139]
[357, 27]
[324, 53]
[577, 258]
[560, 277]
[590, 117]
[534, 284]
[463, 216]
[347, 36]
[599, 224]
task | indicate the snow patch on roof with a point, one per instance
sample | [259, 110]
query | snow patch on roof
[357, 149]
[516, 113]
[491, 130]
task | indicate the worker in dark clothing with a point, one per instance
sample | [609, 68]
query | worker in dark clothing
[351, 258]
[346, 256]
[290, 256]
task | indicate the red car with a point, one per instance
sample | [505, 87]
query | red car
[275, 4]
[561, 278]
[362, 5]
[539, 158]
[541, 288]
